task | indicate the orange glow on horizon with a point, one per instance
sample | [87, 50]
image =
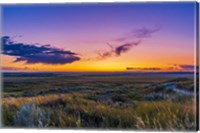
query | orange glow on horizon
[114, 64]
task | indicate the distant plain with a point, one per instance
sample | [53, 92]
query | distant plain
[151, 101]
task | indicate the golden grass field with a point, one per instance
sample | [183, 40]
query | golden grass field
[137, 102]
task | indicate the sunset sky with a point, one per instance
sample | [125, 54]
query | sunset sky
[99, 37]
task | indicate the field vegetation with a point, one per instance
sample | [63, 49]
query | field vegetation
[106, 101]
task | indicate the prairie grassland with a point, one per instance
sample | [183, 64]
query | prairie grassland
[108, 102]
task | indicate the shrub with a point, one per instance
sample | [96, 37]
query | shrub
[31, 116]
[135, 96]
[155, 96]
[28, 94]
[117, 98]
[92, 97]
[8, 111]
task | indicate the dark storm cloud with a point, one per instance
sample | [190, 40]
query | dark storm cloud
[31, 54]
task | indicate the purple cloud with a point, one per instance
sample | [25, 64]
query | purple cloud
[187, 67]
[144, 32]
[139, 33]
[117, 50]
[125, 47]
[143, 69]
[32, 54]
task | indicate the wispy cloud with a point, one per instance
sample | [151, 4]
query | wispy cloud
[9, 68]
[143, 69]
[144, 32]
[139, 33]
[187, 67]
[125, 47]
[117, 50]
[182, 67]
[174, 67]
[5, 68]
[136, 36]
[32, 53]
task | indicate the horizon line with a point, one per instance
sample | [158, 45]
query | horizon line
[98, 72]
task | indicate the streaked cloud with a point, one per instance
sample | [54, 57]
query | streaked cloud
[125, 47]
[32, 53]
[187, 67]
[143, 69]
[144, 32]
[6, 68]
[136, 36]
[139, 33]
[117, 50]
